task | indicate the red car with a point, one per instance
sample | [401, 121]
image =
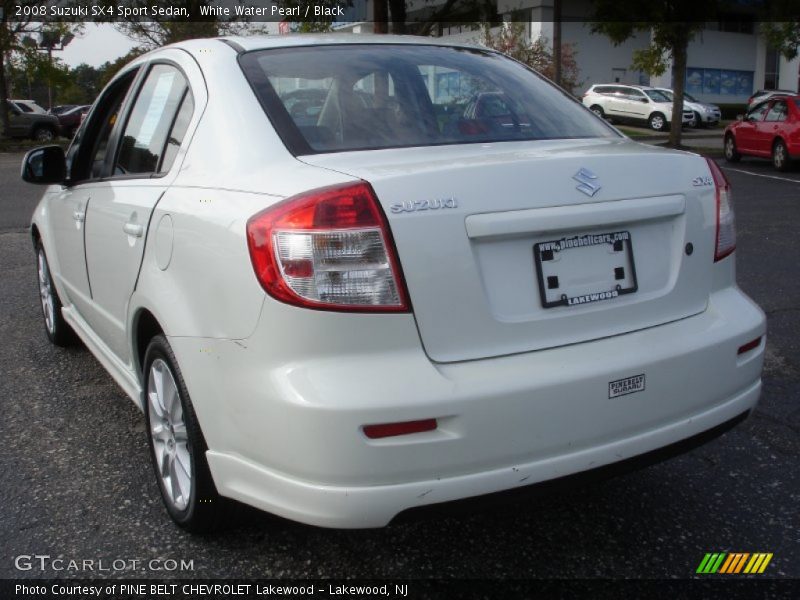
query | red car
[771, 129]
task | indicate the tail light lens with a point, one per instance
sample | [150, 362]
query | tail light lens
[329, 249]
[726, 227]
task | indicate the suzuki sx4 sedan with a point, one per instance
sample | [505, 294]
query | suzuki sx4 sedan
[436, 276]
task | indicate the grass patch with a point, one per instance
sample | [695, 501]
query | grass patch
[23, 145]
[635, 133]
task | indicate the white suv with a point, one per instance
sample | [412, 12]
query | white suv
[634, 103]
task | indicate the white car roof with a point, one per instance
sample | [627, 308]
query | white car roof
[286, 41]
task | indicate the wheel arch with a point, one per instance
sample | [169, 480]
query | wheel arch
[145, 327]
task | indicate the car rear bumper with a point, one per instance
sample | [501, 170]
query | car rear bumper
[284, 427]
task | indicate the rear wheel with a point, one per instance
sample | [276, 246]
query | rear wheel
[598, 110]
[658, 122]
[177, 446]
[780, 156]
[731, 154]
[43, 134]
[58, 332]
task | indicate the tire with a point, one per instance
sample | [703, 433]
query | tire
[43, 135]
[598, 110]
[657, 122]
[731, 154]
[58, 331]
[780, 156]
[177, 446]
[697, 121]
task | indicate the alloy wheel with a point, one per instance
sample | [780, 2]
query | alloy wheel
[46, 293]
[169, 434]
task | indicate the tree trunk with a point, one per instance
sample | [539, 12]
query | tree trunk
[556, 42]
[3, 86]
[679, 53]
[397, 8]
[380, 16]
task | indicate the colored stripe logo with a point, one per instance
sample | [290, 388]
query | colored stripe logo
[733, 563]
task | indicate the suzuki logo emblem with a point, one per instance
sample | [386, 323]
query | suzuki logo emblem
[587, 182]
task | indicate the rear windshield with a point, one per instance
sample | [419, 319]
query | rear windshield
[361, 96]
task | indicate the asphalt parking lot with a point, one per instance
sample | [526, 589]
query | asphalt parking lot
[76, 482]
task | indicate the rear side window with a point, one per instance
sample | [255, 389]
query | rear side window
[778, 111]
[362, 96]
[151, 120]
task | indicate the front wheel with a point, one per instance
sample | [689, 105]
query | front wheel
[657, 122]
[780, 156]
[177, 446]
[44, 135]
[598, 110]
[731, 154]
[58, 332]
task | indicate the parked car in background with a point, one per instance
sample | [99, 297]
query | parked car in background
[25, 122]
[393, 306]
[761, 95]
[29, 106]
[633, 103]
[770, 129]
[705, 115]
[57, 110]
[71, 118]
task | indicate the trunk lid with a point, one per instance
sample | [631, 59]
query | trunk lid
[469, 220]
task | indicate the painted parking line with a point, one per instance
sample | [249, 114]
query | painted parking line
[790, 180]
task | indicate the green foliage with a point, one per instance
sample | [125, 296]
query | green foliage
[651, 60]
[784, 37]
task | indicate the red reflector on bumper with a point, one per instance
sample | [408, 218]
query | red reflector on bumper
[383, 430]
[750, 346]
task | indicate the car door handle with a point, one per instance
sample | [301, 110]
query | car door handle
[133, 229]
[79, 216]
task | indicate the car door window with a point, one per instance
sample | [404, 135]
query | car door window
[757, 113]
[777, 112]
[179, 128]
[86, 157]
[150, 122]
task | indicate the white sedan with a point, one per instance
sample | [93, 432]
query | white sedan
[379, 301]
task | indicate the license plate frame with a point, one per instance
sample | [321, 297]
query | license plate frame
[546, 252]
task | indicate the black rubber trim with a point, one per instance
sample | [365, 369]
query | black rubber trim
[237, 47]
[562, 484]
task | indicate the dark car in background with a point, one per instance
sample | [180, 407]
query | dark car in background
[25, 122]
[70, 117]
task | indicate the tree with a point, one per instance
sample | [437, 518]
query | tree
[156, 32]
[13, 30]
[672, 24]
[784, 37]
[511, 40]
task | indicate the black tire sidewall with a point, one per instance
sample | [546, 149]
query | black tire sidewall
[195, 516]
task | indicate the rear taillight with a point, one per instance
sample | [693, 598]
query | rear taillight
[328, 248]
[726, 227]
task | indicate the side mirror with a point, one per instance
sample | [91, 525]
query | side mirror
[643, 100]
[44, 165]
[740, 117]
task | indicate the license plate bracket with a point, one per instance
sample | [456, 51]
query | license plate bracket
[585, 268]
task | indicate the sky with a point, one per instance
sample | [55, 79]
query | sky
[99, 43]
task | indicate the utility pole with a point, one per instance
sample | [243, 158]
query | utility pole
[52, 40]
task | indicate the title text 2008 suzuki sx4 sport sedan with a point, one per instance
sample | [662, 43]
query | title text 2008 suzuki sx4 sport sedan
[344, 277]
